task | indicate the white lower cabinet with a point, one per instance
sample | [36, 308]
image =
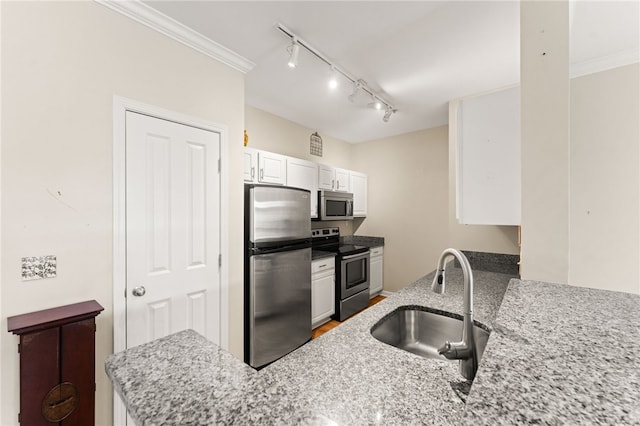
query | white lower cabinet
[377, 271]
[323, 291]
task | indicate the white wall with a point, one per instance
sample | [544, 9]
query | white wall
[605, 180]
[62, 63]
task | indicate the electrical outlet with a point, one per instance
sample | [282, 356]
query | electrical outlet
[38, 267]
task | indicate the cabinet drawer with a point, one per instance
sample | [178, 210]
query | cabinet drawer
[376, 251]
[322, 265]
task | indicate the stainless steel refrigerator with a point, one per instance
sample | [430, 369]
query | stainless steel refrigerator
[277, 272]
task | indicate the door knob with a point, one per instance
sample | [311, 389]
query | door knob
[139, 291]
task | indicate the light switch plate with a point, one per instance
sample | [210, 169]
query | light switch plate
[39, 267]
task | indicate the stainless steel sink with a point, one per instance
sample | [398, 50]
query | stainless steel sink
[422, 331]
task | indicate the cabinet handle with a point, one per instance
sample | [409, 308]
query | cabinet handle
[261, 174]
[322, 266]
[333, 184]
[253, 172]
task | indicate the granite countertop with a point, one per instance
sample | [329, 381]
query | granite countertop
[558, 354]
[319, 254]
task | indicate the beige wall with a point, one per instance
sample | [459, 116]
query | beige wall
[408, 198]
[580, 162]
[544, 75]
[605, 180]
[275, 134]
[62, 63]
[409, 204]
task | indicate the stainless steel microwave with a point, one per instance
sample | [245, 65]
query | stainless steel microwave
[334, 205]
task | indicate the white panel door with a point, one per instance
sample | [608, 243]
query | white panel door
[173, 229]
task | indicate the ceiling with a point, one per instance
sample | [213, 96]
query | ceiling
[417, 55]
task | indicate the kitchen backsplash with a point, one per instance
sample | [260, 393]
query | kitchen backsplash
[493, 262]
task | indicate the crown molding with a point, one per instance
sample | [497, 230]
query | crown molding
[160, 22]
[603, 63]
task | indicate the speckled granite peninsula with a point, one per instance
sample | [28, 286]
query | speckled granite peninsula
[557, 355]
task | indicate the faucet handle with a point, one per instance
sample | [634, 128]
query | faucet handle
[444, 348]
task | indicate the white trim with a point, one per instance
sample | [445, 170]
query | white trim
[592, 66]
[160, 22]
[120, 107]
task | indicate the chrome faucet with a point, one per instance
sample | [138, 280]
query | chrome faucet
[465, 350]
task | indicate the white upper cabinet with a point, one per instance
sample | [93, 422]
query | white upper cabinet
[487, 143]
[332, 178]
[272, 168]
[304, 174]
[342, 180]
[358, 185]
[326, 177]
[250, 165]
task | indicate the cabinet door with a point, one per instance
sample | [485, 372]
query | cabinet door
[342, 180]
[250, 157]
[358, 185]
[376, 271]
[326, 177]
[322, 290]
[488, 159]
[272, 168]
[304, 174]
[39, 373]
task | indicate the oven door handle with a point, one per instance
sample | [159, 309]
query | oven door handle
[354, 256]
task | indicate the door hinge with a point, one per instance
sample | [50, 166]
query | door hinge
[219, 165]
[19, 417]
[220, 260]
[19, 347]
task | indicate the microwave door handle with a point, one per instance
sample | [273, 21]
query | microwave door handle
[350, 208]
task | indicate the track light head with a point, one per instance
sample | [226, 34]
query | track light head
[387, 113]
[357, 86]
[294, 51]
[333, 79]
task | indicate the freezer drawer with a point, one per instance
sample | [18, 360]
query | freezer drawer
[278, 311]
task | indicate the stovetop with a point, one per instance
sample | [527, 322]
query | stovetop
[328, 239]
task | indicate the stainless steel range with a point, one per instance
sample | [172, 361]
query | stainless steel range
[352, 271]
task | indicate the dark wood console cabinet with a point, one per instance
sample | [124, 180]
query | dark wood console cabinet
[57, 364]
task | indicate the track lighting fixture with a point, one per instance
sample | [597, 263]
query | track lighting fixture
[387, 113]
[333, 79]
[294, 51]
[358, 84]
[375, 103]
